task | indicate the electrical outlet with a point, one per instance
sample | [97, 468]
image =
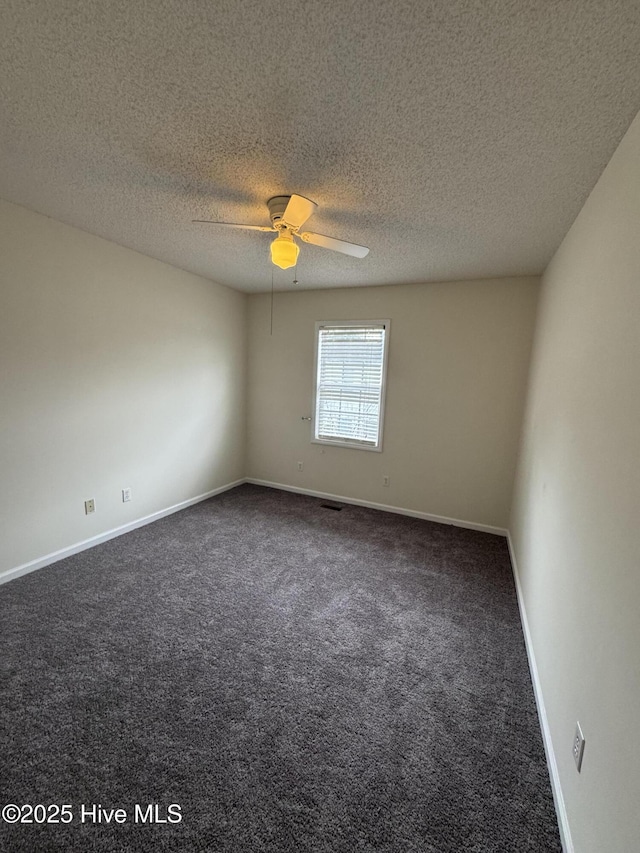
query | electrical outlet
[385, 480]
[578, 746]
[300, 466]
[126, 495]
[89, 506]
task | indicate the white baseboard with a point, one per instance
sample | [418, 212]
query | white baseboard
[556, 788]
[41, 562]
[48, 559]
[440, 519]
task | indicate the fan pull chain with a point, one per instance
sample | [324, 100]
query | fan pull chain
[271, 332]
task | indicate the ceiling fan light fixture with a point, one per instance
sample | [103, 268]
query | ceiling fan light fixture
[288, 213]
[284, 250]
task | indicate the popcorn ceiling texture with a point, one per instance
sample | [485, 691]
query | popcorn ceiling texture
[455, 139]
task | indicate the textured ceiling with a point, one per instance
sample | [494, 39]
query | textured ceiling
[455, 138]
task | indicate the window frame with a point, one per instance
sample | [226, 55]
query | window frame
[345, 324]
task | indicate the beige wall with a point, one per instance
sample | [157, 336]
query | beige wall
[458, 361]
[115, 371]
[576, 516]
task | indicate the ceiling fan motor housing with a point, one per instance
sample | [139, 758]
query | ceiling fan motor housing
[277, 206]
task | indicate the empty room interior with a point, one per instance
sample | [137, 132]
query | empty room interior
[320, 426]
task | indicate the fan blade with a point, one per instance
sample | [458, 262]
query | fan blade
[337, 245]
[297, 211]
[234, 225]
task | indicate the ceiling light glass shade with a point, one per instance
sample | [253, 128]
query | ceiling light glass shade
[284, 251]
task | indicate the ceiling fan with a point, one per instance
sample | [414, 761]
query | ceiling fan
[288, 213]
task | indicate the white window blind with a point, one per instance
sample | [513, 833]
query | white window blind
[350, 383]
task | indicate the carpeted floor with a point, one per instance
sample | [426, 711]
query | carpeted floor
[293, 677]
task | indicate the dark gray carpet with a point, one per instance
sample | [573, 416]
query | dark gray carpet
[295, 678]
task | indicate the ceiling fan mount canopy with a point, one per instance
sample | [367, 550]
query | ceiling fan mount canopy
[277, 206]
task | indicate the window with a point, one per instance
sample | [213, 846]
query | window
[351, 362]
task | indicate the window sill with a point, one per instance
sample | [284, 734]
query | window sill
[352, 445]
